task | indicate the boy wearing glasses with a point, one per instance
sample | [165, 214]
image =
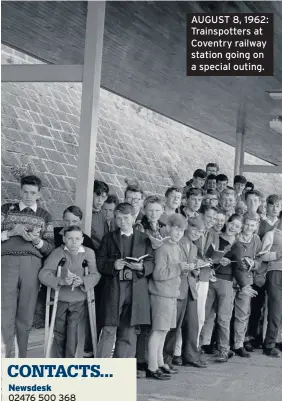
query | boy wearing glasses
[134, 196]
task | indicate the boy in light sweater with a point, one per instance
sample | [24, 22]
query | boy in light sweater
[73, 286]
[164, 291]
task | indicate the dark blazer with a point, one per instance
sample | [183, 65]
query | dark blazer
[58, 239]
[188, 282]
[108, 253]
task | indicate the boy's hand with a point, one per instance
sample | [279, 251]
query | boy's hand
[119, 264]
[248, 290]
[196, 272]
[66, 281]
[187, 267]
[77, 282]
[34, 238]
[247, 263]
[225, 261]
[19, 229]
[136, 266]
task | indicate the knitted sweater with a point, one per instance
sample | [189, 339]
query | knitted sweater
[40, 220]
[166, 274]
[48, 274]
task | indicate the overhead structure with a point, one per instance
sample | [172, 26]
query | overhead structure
[144, 60]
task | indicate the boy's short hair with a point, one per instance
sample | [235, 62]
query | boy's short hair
[194, 192]
[213, 165]
[235, 216]
[177, 220]
[251, 216]
[212, 192]
[171, 189]
[221, 177]
[240, 179]
[112, 199]
[125, 208]
[74, 210]
[206, 208]
[250, 184]
[227, 191]
[153, 199]
[133, 188]
[100, 187]
[271, 199]
[253, 192]
[211, 177]
[199, 173]
[72, 228]
[31, 180]
[196, 222]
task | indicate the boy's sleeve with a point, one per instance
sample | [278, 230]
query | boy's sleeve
[94, 276]
[4, 211]
[258, 259]
[46, 245]
[238, 272]
[163, 269]
[105, 262]
[267, 243]
[48, 273]
[149, 262]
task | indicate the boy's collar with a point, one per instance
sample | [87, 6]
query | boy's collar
[127, 234]
[23, 206]
[80, 250]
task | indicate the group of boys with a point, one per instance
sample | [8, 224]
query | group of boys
[126, 238]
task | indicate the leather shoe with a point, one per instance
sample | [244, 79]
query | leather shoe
[197, 364]
[171, 370]
[157, 375]
[177, 360]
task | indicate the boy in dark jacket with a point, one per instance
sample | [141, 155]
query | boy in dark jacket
[125, 301]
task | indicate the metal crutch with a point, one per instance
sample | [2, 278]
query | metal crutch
[91, 311]
[49, 330]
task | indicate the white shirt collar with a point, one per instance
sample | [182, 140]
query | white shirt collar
[80, 250]
[128, 234]
[22, 206]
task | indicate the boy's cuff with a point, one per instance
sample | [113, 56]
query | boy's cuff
[39, 245]
[4, 236]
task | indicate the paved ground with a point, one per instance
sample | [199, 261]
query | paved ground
[256, 379]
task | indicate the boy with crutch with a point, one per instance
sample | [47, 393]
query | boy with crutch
[73, 286]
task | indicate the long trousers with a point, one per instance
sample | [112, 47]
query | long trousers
[202, 288]
[70, 315]
[274, 306]
[257, 304]
[220, 305]
[19, 291]
[123, 336]
[186, 323]
[241, 317]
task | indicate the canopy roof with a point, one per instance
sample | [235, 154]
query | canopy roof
[144, 60]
